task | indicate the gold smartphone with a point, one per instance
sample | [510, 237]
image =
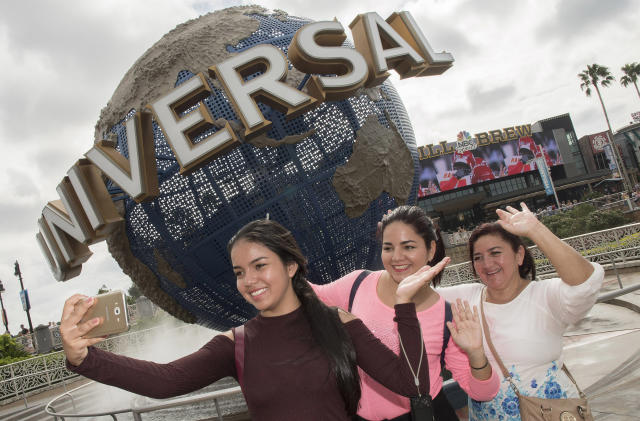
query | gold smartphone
[112, 307]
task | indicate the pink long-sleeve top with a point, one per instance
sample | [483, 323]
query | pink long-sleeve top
[377, 402]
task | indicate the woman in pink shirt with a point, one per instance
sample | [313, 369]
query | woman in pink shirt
[409, 241]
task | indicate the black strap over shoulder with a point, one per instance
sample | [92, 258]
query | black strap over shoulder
[355, 286]
[446, 334]
[448, 315]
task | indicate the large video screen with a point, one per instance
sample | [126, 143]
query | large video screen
[470, 160]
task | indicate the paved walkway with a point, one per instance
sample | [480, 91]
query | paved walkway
[603, 353]
[38, 400]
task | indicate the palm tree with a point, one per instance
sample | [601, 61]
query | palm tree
[600, 75]
[596, 75]
[631, 73]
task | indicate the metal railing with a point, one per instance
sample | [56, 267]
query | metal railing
[44, 372]
[188, 400]
[615, 200]
[452, 239]
[612, 201]
[601, 246]
[49, 408]
[138, 410]
[29, 341]
[18, 380]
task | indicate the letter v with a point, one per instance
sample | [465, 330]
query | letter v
[137, 176]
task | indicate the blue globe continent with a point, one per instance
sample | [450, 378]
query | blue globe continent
[181, 235]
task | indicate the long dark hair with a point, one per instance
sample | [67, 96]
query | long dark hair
[326, 327]
[417, 218]
[527, 269]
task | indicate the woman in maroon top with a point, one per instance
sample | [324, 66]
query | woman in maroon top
[300, 355]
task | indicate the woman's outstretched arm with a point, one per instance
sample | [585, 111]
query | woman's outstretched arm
[572, 268]
[212, 362]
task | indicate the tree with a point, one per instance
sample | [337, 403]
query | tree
[596, 75]
[133, 293]
[631, 72]
[103, 289]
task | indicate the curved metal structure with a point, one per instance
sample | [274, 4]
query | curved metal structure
[138, 410]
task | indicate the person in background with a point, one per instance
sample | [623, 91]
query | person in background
[526, 319]
[409, 241]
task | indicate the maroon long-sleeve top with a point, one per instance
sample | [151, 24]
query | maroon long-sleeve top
[286, 377]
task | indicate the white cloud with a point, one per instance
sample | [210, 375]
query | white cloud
[516, 62]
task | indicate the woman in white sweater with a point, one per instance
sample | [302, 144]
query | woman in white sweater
[526, 319]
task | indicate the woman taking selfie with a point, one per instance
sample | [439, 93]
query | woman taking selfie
[300, 356]
[409, 241]
[526, 319]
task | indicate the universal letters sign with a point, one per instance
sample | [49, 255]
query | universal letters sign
[85, 213]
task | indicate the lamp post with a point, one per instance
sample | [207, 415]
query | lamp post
[4, 313]
[24, 296]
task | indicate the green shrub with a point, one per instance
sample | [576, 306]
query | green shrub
[564, 224]
[11, 360]
[582, 219]
[53, 358]
[9, 348]
[600, 220]
[582, 210]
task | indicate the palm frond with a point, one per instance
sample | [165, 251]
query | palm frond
[631, 72]
[606, 81]
[586, 82]
[595, 75]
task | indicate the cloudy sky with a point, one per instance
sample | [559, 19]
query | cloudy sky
[516, 62]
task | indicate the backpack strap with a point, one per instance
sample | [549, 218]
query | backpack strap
[446, 334]
[355, 286]
[238, 336]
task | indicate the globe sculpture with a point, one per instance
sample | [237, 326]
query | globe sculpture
[328, 175]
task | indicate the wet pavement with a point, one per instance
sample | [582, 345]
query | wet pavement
[603, 354]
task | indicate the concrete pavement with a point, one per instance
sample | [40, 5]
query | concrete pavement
[603, 353]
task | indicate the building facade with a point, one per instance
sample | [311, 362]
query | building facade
[462, 183]
[628, 141]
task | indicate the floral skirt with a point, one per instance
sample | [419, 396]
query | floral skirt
[551, 383]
